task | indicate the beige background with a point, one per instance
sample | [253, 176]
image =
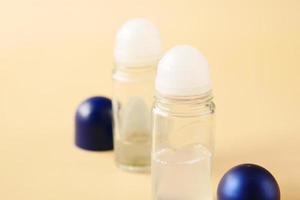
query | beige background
[54, 54]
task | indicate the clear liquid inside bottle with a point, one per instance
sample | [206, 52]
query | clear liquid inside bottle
[182, 174]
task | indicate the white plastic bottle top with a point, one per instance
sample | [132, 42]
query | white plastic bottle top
[183, 71]
[137, 43]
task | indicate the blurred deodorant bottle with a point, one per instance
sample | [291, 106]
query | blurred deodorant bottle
[183, 127]
[136, 54]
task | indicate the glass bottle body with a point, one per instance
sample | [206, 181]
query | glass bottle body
[182, 148]
[133, 95]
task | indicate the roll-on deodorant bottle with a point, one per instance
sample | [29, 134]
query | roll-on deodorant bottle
[183, 127]
[136, 54]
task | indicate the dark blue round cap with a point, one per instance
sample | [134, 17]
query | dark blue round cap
[248, 182]
[93, 124]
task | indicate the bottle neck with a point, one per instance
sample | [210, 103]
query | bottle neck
[185, 106]
[134, 73]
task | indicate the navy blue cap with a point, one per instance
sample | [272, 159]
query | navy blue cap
[93, 124]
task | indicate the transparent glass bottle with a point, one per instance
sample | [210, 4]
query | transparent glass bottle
[137, 52]
[133, 98]
[183, 130]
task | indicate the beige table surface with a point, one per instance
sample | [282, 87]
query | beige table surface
[54, 54]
